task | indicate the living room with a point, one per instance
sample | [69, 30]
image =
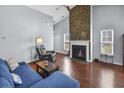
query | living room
[87, 41]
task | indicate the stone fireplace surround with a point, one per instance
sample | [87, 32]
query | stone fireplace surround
[84, 43]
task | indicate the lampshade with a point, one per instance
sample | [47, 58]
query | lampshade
[39, 40]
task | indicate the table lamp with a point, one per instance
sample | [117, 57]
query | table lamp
[39, 40]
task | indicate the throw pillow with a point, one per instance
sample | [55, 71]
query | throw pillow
[12, 64]
[16, 78]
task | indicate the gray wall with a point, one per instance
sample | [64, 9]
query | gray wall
[108, 17]
[60, 29]
[21, 25]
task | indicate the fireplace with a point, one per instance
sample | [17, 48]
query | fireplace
[79, 51]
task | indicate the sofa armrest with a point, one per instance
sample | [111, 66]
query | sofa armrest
[57, 80]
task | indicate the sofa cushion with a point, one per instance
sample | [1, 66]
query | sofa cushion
[4, 83]
[4, 72]
[57, 80]
[22, 63]
[27, 75]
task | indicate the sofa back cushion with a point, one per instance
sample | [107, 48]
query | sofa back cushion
[4, 83]
[5, 72]
[27, 75]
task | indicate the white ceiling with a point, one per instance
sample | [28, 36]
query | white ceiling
[58, 12]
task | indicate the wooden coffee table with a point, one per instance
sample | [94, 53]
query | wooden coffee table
[45, 68]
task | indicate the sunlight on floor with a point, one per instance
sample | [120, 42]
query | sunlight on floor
[107, 78]
[67, 66]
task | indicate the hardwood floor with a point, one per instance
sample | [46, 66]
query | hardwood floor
[91, 75]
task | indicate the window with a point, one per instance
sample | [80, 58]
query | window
[107, 42]
[66, 41]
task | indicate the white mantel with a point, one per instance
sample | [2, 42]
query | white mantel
[81, 42]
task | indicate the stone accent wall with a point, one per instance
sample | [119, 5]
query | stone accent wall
[80, 22]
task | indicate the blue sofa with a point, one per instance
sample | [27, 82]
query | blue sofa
[31, 79]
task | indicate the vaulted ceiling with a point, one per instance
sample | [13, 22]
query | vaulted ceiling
[58, 12]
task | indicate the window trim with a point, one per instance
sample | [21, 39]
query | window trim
[66, 41]
[107, 42]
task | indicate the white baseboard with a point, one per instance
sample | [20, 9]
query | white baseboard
[118, 64]
[115, 63]
[61, 52]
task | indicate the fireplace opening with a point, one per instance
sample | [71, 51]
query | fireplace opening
[79, 51]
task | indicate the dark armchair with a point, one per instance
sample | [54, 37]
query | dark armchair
[45, 55]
